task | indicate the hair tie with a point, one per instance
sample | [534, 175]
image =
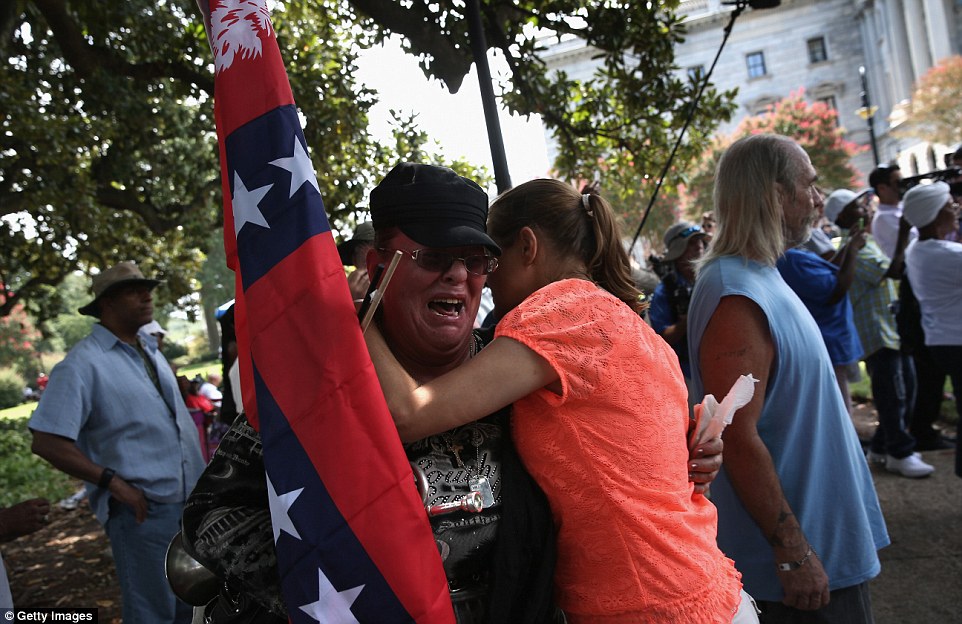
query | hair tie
[586, 204]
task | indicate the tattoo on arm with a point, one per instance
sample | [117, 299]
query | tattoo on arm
[783, 518]
[733, 354]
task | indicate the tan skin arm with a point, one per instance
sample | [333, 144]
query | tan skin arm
[502, 373]
[725, 354]
[65, 456]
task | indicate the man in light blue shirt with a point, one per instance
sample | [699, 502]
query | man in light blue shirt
[797, 509]
[113, 416]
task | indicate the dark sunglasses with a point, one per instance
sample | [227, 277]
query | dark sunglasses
[439, 261]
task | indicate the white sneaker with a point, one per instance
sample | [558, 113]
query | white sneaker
[911, 466]
[875, 458]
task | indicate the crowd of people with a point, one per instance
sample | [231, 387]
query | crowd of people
[569, 419]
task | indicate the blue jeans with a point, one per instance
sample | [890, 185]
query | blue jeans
[949, 359]
[893, 390]
[848, 605]
[140, 552]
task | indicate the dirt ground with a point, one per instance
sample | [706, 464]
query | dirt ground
[68, 563]
[65, 564]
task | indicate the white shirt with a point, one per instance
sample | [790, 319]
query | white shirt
[210, 391]
[885, 228]
[934, 269]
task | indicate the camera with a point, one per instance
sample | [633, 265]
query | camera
[679, 295]
[942, 175]
[659, 266]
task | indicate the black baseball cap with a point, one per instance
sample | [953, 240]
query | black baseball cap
[433, 206]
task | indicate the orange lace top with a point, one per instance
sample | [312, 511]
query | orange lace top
[635, 544]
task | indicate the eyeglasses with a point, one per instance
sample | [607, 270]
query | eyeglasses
[440, 261]
[685, 233]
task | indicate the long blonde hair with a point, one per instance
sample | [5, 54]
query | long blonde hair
[748, 206]
[583, 226]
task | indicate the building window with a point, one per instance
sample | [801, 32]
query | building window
[756, 64]
[696, 73]
[816, 50]
[829, 102]
[762, 105]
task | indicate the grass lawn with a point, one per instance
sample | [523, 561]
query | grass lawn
[201, 368]
[18, 412]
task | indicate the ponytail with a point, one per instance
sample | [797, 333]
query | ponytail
[579, 225]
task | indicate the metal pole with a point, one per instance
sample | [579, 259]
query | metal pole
[869, 113]
[479, 48]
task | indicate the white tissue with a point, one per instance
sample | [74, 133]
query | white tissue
[713, 416]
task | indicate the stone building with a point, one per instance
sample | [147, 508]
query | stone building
[823, 47]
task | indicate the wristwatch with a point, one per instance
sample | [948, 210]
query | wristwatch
[788, 566]
[108, 474]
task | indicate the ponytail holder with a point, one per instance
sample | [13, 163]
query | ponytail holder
[586, 204]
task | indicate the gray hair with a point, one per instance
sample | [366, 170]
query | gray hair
[749, 180]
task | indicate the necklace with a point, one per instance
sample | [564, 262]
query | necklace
[477, 482]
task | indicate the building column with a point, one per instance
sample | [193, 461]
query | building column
[937, 25]
[918, 39]
[899, 61]
[872, 42]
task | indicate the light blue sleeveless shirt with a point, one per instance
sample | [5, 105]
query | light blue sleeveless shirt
[808, 432]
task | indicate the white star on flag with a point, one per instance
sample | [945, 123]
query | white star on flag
[281, 510]
[245, 202]
[300, 167]
[332, 606]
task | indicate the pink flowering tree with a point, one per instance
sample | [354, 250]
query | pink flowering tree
[18, 340]
[813, 124]
[936, 111]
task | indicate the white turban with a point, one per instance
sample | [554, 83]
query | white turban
[922, 203]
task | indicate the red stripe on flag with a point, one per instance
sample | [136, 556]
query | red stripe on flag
[230, 239]
[239, 99]
[311, 355]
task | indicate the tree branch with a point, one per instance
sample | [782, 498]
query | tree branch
[449, 62]
[87, 58]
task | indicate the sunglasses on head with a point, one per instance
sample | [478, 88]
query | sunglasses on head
[440, 261]
[686, 232]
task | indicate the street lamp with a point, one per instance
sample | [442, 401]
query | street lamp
[867, 112]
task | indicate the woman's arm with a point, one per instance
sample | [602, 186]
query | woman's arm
[502, 373]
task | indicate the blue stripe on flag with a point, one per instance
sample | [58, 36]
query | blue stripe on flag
[292, 218]
[327, 541]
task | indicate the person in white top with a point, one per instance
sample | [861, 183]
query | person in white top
[885, 224]
[934, 265]
[210, 389]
